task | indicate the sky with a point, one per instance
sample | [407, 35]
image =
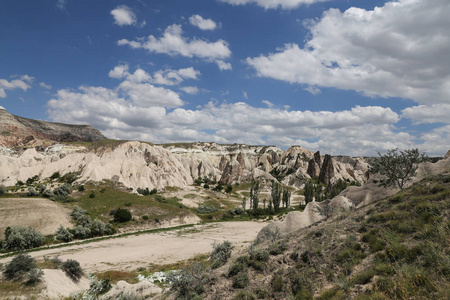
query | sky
[346, 77]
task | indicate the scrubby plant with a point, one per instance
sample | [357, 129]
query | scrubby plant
[244, 295]
[122, 215]
[241, 280]
[48, 193]
[55, 175]
[206, 209]
[221, 253]
[97, 287]
[80, 232]
[20, 238]
[81, 188]
[72, 268]
[22, 267]
[63, 234]
[32, 192]
[2, 189]
[189, 281]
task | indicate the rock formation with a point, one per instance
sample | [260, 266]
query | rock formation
[16, 131]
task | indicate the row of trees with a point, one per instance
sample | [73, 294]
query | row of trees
[280, 197]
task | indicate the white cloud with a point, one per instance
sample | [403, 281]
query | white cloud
[398, 50]
[173, 43]
[162, 77]
[124, 16]
[15, 84]
[203, 24]
[224, 66]
[428, 113]
[138, 111]
[193, 90]
[268, 103]
[436, 142]
[61, 4]
[45, 86]
[313, 90]
[284, 4]
[245, 95]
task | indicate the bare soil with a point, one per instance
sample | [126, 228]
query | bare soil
[43, 214]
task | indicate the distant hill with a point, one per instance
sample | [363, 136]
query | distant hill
[16, 131]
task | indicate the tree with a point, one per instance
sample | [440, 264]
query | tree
[254, 194]
[276, 195]
[286, 198]
[122, 215]
[20, 238]
[398, 167]
[72, 269]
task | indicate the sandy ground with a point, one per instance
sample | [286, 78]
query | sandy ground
[43, 214]
[132, 252]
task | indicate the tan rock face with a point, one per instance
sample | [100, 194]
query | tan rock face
[140, 165]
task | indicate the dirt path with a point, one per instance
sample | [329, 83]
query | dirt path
[132, 252]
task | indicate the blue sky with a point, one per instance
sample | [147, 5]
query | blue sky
[348, 77]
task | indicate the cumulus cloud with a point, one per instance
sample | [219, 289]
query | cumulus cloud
[139, 110]
[397, 50]
[124, 16]
[173, 43]
[313, 90]
[23, 83]
[437, 113]
[162, 77]
[224, 66]
[45, 86]
[436, 141]
[193, 90]
[203, 24]
[270, 4]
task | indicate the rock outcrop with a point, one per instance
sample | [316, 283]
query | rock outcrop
[16, 131]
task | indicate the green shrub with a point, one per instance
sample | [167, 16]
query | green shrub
[19, 267]
[2, 189]
[122, 215]
[20, 238]
[189, 281]
[63, 234]
[55, 175]
[221, 253]
[236, 267]
[81, 188]
[363, 277]
[81, 232]
[240, 281]
[278, 247]
[72, 269]
[277, 283]
[244, 295]
[34, 276]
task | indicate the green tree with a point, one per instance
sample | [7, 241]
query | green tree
[286, 198]
[254, 194]
[276, 195]
[398, 167]
[122, 215]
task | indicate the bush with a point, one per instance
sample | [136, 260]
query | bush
[32, 192]
[19, 267]
[73, 269]
[20, 238]
[48, 193]
[189, 281]
[221, 253]
[81, 188]
[34, 276]
[277, 283]
[244, 295]
[80, 232]
[2, 189]
[204, 209]
[63, 234]
[99, 228]
[122, 215]
[240, 281]
[55, 175]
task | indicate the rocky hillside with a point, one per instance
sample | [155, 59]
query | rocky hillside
[140, 165]
[16, 132]
[386, 247]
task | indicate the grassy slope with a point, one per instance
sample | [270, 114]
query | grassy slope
[396, 248]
